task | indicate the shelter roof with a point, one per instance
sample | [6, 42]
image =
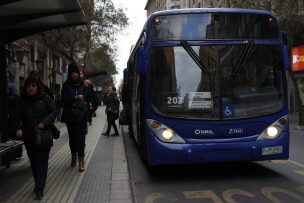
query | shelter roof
[21, 18]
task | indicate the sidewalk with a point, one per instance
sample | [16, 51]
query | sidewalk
[105, 178]
[294, 123]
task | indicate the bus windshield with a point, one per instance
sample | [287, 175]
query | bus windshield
[229, 90]
[200, 26]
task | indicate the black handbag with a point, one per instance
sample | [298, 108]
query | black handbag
[44, 138]
[79, 112]
[123, 118]
[56, 132]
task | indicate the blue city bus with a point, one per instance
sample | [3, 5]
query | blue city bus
[209, 85]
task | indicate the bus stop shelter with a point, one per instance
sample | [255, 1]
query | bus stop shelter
[21, 18]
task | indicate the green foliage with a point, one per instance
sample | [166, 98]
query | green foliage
[101, 60]
[106, 22]
[103, 22]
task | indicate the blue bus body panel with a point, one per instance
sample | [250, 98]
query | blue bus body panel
[219, 146]
[170, 153]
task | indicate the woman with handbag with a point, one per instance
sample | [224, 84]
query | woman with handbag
[112, 111]
[75, 100]
[36, 115]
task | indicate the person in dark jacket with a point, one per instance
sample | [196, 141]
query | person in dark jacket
[46, 89]
[74, 97]
[37, 110]
[112, 111]
[93, 104]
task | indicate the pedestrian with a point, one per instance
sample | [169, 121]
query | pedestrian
[35, 74]
[37, 110]
[126, 100]
[74, 98]
[112, 110]
[93, 101]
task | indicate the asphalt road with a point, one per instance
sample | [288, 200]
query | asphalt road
[275, 181]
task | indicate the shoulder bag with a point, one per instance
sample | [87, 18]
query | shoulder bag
[44, 138]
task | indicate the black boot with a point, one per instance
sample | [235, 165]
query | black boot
[81, 164]
[73, 161]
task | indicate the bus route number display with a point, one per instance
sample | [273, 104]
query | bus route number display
[200, 100]
[173, 100]
[191, 100]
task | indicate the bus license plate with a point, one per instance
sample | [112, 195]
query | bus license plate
[272, 150]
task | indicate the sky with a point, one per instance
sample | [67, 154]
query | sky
[135, 11]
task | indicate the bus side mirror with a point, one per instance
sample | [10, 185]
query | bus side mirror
[285, 51]
[286, 57]
[140, 60]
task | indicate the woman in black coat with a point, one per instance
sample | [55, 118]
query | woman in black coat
[75, 100]
[37, 110]
[112, 111]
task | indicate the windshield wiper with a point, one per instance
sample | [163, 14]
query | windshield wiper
[194, 56]
[243, 57]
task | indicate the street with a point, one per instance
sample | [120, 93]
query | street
[274, 181]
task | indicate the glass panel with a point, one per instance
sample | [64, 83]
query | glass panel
[213, 26]
[253, 87]
[256, 86]
[180, 88]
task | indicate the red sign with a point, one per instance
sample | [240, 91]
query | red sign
[297, 58]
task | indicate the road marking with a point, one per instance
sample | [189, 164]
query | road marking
[202, 194]
[279, 161]
[269, 191]
[301, 188]
[227, 194]
[301, 172]
[154, 196]
[296, 163]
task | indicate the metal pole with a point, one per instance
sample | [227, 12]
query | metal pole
[3, 96]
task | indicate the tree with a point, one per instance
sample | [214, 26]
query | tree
[101, 59]
[104, 21]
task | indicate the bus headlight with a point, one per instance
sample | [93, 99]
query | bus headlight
[274, 130]
[163, 132]
[167, 134]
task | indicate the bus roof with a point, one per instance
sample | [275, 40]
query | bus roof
[210, 10]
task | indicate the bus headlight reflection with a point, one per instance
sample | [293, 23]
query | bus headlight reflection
[275, 129]
[272, 131]
[164, 133]
[167, 134]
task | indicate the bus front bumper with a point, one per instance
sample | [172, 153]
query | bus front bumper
[171, 153]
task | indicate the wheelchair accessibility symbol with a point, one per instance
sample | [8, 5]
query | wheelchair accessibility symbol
[228, 110]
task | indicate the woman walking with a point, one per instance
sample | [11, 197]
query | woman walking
[112, 110]
[75, 100]
[37, 110]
